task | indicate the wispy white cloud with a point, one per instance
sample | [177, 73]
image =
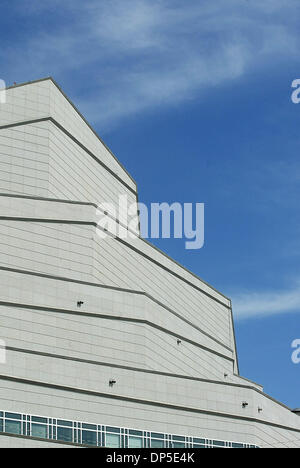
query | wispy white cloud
[136, 55]
[249, 305]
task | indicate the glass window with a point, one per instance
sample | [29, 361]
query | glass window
[13, 427]
[199, 441]
[90, 427]
[157, 435]
[65, 434]
[65, 423]
[157, 443]
[113, 429]
[39, 420]
[178, 444]
[113, 441]
[218, 443]
[179, 438]
[39, 430]
[104, 436]
[13, 416]
[135, 442]
[89, 438]
[178, 441]
[135, 433]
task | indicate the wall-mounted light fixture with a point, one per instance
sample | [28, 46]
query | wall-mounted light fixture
[80, 303]
[112, 383]
[245, 404]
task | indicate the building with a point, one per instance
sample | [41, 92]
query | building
[108, 341]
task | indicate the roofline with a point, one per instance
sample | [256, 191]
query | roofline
[188, 271]
[49, 78]
[146, 241]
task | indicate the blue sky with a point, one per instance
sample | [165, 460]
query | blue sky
[194, 98]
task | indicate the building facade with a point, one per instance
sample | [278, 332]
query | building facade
[108, 342]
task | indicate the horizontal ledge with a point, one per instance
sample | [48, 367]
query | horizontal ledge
[140, 370]
[115, 288]
[77, 142]
[75, 202]
[146, 402]
[122, 241]
[113, 317]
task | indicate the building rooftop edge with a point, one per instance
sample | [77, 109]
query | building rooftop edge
[50, 78]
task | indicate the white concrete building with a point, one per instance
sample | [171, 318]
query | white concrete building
[108, 342]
